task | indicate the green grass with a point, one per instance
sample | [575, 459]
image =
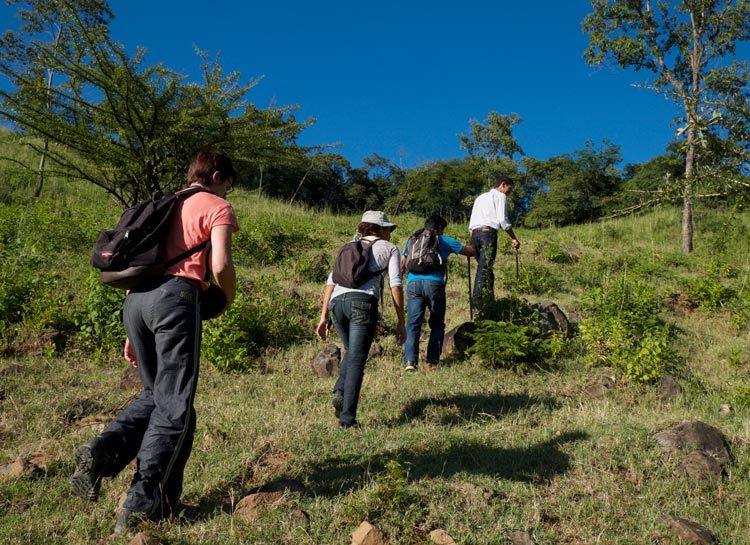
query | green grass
[567, 468]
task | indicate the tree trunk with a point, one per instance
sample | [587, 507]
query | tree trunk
[43, 160]
[260, 182]
[687, 200]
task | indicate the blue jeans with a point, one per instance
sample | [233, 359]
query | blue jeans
[421, 295]
[354, 316]
[485, 246]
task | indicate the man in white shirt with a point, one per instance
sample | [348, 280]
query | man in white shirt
[487, 216]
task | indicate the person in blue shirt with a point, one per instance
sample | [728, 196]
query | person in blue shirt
[427, 291]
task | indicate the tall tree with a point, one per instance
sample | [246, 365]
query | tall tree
[46, 22]
[492, 144]
[128, 128]
[688, 46]
[574, 187]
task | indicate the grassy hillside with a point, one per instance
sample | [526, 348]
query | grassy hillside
[476, 451]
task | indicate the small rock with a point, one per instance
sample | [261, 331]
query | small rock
[326, 363]
[668, 388]
[249, 507]
[690, 436]
[699, 466]
[551, 318]
[725, 408]
[475, 492]
[299, 519]
[457, 340]
[11, 469]
[367, 534]
[599, 389]
[690, 531]
[519, 537]
[441, 537]
[375, 350]
[41, 460]
[142, 538]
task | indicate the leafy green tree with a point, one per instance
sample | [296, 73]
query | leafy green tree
[574, 187]
[687, 46]
[128, 128]
[644, 183]
[493, 145]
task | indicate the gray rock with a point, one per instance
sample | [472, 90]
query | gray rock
[457, 340]
[668, 388]
[375, 350]
[551, 318]
[600, 388]
[518, 537]
[326, 363]
[699, 466]
[690, 531]
[690, 436]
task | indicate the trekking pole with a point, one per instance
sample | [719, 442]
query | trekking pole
[468, 276]
[516, 264]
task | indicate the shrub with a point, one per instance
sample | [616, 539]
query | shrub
[15, 293]
[623, 330]
[533, 280]
[100, 321]
[509, 336]
[313, 269]
[267, 242]
[262, 315]
[555, 252]
[742, 396]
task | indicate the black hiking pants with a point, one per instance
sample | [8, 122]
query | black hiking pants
[484, 241]
[163, 324]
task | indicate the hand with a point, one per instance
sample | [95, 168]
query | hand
[322, 329]
[129, 354]
[516, 244]
[400, 334]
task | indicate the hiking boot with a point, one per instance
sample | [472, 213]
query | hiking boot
[337, 402]
[91, 461]
[410, 366]
[353, 426]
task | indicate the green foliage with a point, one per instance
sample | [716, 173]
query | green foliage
[268, 241]
[533, 279]
[736, 358]
[262, 315]
[576, 185]
[100, 321]
[555, 252]
[742, 396]
[15, 294]
[313, 269]
[707, 291]
[507, 345]
[623, 330]
[388, 494]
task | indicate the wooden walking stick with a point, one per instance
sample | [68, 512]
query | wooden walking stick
[468, 275]
[516, 264]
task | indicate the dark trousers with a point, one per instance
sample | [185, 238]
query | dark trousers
[163, 324]
[485, 248]
[421, 295]
[355, 316]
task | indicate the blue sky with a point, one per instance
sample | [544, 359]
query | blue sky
[403, 79]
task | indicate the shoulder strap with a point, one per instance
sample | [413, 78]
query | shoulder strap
[187, 253]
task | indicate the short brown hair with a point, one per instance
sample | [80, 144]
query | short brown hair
[370, 229]
[208, 161]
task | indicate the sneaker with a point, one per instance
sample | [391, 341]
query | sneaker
[91, 460]
[410, 366]
[337, 402]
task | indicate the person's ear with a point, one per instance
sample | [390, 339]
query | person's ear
[216, 178]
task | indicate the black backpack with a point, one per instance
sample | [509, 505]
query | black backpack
[422, 256]
[132, 253]
[352, 266]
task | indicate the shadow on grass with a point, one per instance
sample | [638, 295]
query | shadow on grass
[535, 464]
[463, 408]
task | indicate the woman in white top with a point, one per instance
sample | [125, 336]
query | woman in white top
[354, 312]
